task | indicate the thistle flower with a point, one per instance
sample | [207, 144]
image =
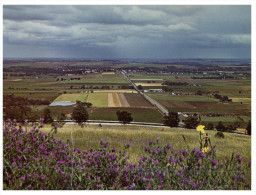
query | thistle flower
[214, 162]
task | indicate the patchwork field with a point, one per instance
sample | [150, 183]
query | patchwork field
[116, 91]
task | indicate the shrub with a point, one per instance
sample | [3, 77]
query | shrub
[248, 128]
[219, 134]
[172, 119]
[47, 116]
[191, 122]
[209, 126]
[124, 116]
[220, 126]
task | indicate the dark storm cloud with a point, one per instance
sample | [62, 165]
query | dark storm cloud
[127, 31]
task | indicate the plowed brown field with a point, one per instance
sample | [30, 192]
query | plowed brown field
[136, 100]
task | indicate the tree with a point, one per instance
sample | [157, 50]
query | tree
[172, 119]
[140, 87]
[124, 116]
[220, 127]
[191, 122]
[80, 113]
[47, 116]
[209, 126]
[248, 128]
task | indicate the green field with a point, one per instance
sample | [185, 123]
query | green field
[89, 136]
[72, 97]
[98, 99]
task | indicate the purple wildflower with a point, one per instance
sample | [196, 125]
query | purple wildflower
[169, 146]
[148, 187]
[43, 177]
[160, 187]
[149, 142]
[23, 178]
[127, 145]
[239, 166]
[239, 159]
[145, 148]
[195, 185]
[214, 162]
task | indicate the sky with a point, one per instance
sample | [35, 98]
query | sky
[106, 32]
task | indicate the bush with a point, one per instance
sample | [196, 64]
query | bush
[220, 127]
[191, 122]
[219, 134]
[248, 128]
[47, 116]
[172, 119]
[124, 116]
[209, 126]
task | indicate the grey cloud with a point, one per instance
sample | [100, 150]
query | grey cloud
[127, 31]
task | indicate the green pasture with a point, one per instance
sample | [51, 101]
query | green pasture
[98, 99]
[72, 97]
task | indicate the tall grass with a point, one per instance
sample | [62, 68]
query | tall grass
[89, 136]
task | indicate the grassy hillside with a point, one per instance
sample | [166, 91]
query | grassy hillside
[118, 136]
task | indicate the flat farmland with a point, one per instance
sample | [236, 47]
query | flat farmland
[102, 79]
[138, 114]
[136, 100]
[107, 73]
[72, 97]
[98, 99]
[167, 97]
[148, 84]
[116, 91]
[117, 100]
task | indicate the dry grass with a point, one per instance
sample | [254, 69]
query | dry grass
[117, 136]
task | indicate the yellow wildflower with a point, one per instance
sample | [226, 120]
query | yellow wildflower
[205, 149]
[168, 164]
[200, 128]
